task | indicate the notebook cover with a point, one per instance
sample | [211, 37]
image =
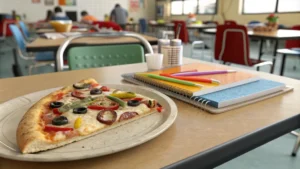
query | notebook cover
[241, 93]
[227, 80]
[130, 78]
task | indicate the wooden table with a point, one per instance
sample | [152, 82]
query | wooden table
[42, 44]
[197, 139]
[49, 30]
[281, 34]
[189, 26]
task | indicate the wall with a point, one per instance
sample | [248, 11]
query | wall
[98, 8]
[232, 12]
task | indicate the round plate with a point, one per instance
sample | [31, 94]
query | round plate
[107, 142]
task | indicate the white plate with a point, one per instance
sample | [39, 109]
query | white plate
[108, 142]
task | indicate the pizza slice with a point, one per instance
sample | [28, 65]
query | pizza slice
[79, 111]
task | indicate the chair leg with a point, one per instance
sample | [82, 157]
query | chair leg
[282, 64]
[296, 147]
[30, 69]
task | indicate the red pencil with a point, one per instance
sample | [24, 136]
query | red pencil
[195, 79]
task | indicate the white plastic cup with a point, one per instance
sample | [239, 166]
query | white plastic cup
[154, 61]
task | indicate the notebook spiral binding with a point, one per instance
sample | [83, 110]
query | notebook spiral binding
[193, 100]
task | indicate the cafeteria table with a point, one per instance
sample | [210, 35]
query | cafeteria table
[50, 30]
[281, 34]
[196, 140]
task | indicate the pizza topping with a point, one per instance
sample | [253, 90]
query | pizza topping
[124, 95]
[54, 128]
[60, 120]
[104, 105]
[81, 85]
[56, 104]
[133, 103]
[159, 109]
[127, 115]
[80, 103]
[94, 85]
[104, 89]
[56, 111]
[158, 105]
[95, 91]
[121, 102]
[151, 103]
[78, 94]
[80, 110]
[107, 116]
[78, 123]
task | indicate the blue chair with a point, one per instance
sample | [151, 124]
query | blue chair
[40, 58]
[143, 25]
[24, 29]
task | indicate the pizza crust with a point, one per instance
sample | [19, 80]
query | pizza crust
[30, 136]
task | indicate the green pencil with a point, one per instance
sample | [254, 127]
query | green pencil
[168, 79]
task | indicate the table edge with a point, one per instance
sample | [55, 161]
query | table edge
[238, 146]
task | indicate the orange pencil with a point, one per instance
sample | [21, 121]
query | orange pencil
[195, 79]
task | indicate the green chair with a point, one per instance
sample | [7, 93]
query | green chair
[83, 57]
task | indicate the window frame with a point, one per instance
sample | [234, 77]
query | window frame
[275, 11]
[197, 12]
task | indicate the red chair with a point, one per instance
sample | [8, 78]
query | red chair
[183, 35]
[292, 48]
[4, 27]
[108, 25]
[230, 22]
[232, 46]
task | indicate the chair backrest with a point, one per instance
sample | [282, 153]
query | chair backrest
[232, 44]
[293, 43]
[143, 25]
[99, 56]
[64, 46]
[230, 22]
[108, 25]
[4, 27]
[17, 34]
[24, 29]
[183, 34]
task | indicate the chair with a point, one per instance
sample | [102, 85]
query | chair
[108, 25]
[99, 56]
[40, 58]
[230, 22]
[292, 48]
[4, 27]
[232, 46]
[143, 25]
[183, 34]
[24, 30]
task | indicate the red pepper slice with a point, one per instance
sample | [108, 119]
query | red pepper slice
[98, 107]
[93, 85]
[77, 94]
[53, 128]
[159, 109]
[59, 96]
[105, 89]
[56, 111]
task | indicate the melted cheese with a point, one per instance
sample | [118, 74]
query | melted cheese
[90, 123]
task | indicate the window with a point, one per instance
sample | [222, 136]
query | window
[184, 7]
[270, 6]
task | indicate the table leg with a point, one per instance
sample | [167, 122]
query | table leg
[282, 64]
[16, 66]
[274, 56]
[260, 51]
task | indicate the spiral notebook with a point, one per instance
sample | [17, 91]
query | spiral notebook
[210, 103]
[227, 80]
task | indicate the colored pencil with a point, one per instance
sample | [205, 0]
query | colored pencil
[204, 73]
[173, 80]
[195, 79]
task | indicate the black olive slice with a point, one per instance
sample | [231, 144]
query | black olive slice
[60, 120]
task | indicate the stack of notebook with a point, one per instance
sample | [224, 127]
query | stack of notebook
[235, 89]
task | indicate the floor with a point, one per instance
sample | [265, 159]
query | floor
[275, 154]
